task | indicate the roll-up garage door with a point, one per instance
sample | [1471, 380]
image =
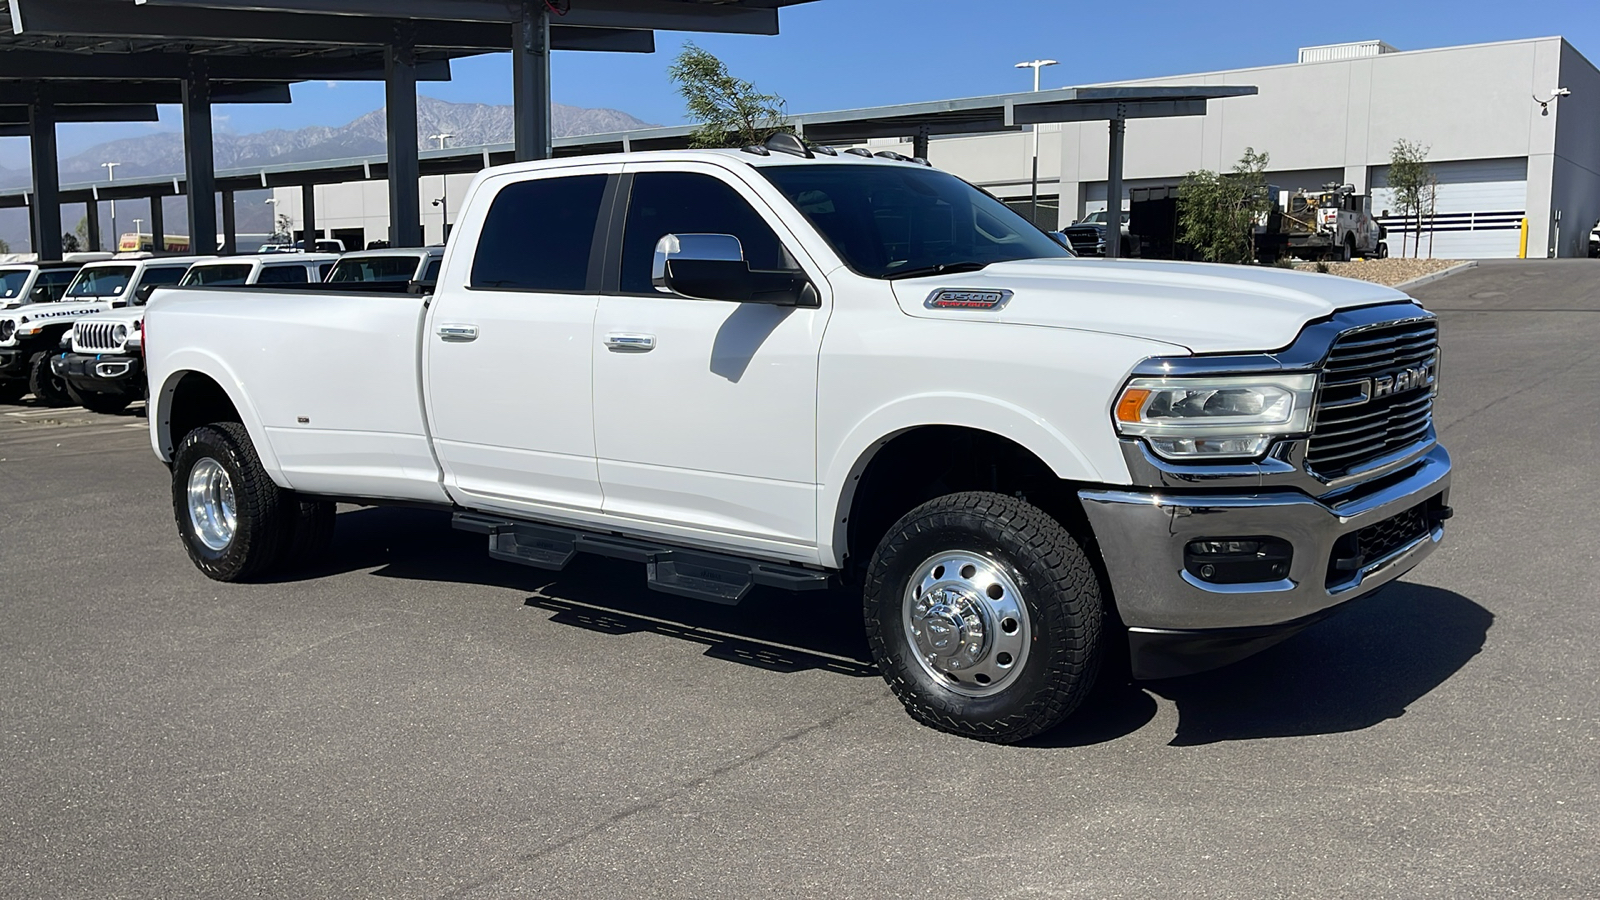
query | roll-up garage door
[1477, 215]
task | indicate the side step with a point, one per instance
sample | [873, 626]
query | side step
[671, 570]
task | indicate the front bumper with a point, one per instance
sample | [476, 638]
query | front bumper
[101, 373]
[1179, 623]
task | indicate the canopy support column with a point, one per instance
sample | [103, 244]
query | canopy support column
[308, 216]
[919, 143]
[200, 171]
[230, 225]
[530, 77]
[400, 100]
[1119, 132]
[91, 219]
[158, 224]
[46, 178]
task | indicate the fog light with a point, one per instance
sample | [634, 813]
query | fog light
[1238, 560]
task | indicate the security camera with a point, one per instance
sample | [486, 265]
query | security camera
[1560, 92]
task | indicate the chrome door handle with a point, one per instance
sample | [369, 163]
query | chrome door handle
[458, 334]
[630, 343]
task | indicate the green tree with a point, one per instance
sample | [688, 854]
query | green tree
[5, 246]
[1411, 180]
[730, 111]
[1218, 211]
[82, 232]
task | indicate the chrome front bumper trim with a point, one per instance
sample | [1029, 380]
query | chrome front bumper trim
[1142, 535]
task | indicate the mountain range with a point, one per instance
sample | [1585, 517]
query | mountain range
[161, 153]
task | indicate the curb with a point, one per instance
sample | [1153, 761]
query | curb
[1435, 276]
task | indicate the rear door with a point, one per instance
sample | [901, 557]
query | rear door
[508, 346]
[705, 411]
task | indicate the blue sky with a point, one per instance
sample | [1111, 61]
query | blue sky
[837, 54]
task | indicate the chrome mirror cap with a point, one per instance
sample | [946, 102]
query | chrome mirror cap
[702, 247]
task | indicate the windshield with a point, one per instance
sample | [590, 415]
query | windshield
[100, 281]
[233, 273]
[374, 268]
[11, 282]
[889, 219]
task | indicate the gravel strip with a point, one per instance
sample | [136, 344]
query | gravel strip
[1391, 271]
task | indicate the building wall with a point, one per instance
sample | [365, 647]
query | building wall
[1576, 168]
[364, 205]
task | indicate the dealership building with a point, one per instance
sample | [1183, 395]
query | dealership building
[1512, 131]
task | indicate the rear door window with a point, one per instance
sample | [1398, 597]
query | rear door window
[539, 234]
[215, 276]
[282, 275]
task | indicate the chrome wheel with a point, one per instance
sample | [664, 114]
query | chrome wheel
[211, 504]
[966, 621]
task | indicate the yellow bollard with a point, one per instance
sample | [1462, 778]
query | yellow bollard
[1522, 252]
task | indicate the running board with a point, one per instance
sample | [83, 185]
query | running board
[671, 570]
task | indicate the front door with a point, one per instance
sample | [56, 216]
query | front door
[509, 349]
[705, 411]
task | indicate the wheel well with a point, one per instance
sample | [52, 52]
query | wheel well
[196, 400]
[918, 465]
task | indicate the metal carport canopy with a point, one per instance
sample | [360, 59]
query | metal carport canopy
[204, 43]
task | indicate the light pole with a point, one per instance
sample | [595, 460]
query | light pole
[444, 191]
[138, 233]
[1033, 205]
[111, 175]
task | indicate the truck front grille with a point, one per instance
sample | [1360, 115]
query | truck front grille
[1377, 395]
[94, 336]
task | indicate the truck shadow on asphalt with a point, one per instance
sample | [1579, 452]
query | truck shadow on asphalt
[769, 630]
[1354, 670]
[1363, 666]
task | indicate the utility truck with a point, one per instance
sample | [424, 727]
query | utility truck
[103, 368]
[800, 369]
[1332, 223]
[32, 334]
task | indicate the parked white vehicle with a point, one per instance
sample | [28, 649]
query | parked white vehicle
[104, 369]
[35, 282]
[395, 265]
[31, 335]
[799, 369]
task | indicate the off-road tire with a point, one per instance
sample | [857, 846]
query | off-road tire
[307, 533]
[260, 506]
[47, 387]
[1062, 598]
[94, 401]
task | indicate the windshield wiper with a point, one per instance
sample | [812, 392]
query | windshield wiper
[941, 269]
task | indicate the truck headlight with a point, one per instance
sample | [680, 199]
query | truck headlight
[119, 333]
[1215, 418]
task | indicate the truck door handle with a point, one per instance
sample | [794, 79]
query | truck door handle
[630, 343]
[458, 334]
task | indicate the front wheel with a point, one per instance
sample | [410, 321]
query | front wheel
[230, 514]
[984, 616]
[48, 387]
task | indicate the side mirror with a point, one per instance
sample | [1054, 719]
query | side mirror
[713, 267]
[142, 295]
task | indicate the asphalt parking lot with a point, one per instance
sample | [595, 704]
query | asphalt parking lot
[419, 721]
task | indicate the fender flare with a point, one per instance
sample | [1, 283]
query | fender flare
[860, 446]
[202, 362]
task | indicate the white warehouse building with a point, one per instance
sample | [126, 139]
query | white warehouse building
[1512, 131]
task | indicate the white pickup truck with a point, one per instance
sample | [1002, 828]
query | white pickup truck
[789, 367]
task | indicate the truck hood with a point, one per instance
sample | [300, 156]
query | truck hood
[1205, 307]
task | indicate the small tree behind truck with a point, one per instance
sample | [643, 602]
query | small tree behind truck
[1332, 223]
